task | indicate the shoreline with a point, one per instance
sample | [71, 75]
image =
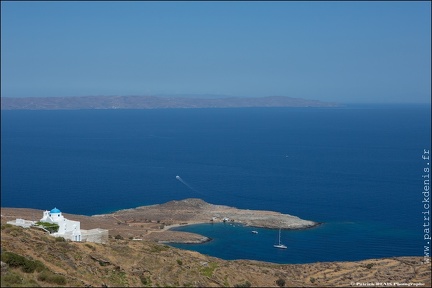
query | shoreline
[130, 259]
[156, 222]
[206, 239]
[169, 227]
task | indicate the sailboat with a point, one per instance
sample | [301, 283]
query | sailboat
[280, 245]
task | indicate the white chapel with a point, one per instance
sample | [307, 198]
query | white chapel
[68, 229]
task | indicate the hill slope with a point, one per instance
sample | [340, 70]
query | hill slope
[143, 263]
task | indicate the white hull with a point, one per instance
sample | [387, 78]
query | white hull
[280, 245]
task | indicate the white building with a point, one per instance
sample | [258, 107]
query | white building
[22, 223]
[68, 229]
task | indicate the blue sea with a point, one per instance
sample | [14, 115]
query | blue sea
[356, 169]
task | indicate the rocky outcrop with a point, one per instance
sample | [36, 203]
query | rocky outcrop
[194, 210]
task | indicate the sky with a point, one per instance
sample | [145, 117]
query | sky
[349, 52]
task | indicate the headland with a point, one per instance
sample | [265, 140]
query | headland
[154, 221]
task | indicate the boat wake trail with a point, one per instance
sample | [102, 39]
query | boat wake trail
[187, 185]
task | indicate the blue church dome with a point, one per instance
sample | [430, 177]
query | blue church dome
[55, 210]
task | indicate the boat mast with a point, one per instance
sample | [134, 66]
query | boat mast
[279, 235]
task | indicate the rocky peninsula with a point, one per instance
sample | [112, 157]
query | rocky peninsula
[154, 221]
[195, 211]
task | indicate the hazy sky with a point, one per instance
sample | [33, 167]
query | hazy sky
[331, 51]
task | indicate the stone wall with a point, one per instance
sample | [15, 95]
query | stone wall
[94, 235]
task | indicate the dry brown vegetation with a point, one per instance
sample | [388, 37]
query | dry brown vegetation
[145, 263]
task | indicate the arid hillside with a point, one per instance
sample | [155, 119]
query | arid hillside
[30, 257]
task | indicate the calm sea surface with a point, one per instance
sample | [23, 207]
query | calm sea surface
[357, 169]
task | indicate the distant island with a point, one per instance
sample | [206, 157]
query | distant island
[152, 102]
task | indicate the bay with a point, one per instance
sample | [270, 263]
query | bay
[357, 165]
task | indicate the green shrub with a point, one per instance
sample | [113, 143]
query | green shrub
[159, 248]
[49, 277]
[57, 279]
[245, 284]
[14, 260]
[312, 279]
[10, 279]
[370, 265]
[118, 237]
[60, 239]
[208, 270]
[145, 280]
[118, 278]
[179, 262]
[280, 282]
[27, 266]
[43, 276]
[90, 246]
[51, 227]
[11, 229]
[14, 233]
[4, 226]
[63, 245]
[39, 266]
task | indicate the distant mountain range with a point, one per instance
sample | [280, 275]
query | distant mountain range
[153, 102]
